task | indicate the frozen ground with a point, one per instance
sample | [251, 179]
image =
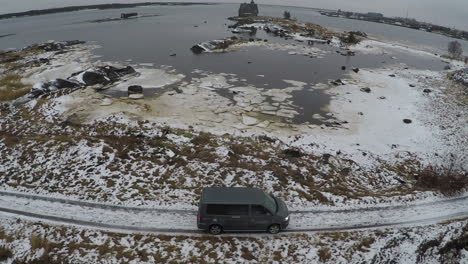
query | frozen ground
[438, 243]
[359, 169]
[125, 219]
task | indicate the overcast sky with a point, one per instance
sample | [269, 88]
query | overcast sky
[453, 13]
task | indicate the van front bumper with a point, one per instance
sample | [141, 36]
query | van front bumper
[285, 224]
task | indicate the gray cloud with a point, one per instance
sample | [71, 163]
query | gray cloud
[451, 13]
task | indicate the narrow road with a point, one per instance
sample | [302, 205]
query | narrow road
[149, 220]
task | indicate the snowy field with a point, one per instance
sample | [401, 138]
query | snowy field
[143, 162]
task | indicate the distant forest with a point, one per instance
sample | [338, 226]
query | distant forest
[103, 6]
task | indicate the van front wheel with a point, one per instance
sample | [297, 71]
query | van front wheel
[274, 229]
[215, 229]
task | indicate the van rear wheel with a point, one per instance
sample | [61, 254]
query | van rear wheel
[215, 229]
[274, 229]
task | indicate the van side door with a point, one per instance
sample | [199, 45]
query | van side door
[260, 218]
[229, 216]
[236, 217]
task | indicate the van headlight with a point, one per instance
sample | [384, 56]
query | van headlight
[286, 218]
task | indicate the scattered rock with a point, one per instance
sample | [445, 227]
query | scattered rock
[61, 83]
[407, 121]
[338, 82]
[249, 121]
[318, 116]
[93, 78]
[293, 153]
[124, 71]
[56, 45]
[135, 89]
[345, 171]
[136, 96]
[326, 158]
[360, 113]
[173, 54]
[264, 124]
[382, 97]
[343, 68]
[356, 70]
[267, 139]
[197, 49]
[461, 76]
[412, 85]
[427, 90]
[400, 180]
[392, 75]
[447, 67]
[366, 90]
[106, 102]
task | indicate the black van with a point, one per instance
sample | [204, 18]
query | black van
[240, 209]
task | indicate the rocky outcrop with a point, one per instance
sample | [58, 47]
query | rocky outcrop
[214, 45]
[100, 76]
[246, 10]
[461, 76]
[56, 45]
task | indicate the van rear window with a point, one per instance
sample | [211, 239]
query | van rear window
[227, 209]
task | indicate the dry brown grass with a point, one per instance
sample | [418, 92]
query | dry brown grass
[449, 180]
[11, 87]
[364, 244]
[324, 254]
[5, 253]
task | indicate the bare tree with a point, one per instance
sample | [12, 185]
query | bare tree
[455, 49]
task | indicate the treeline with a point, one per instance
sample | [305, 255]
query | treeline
[77, 8]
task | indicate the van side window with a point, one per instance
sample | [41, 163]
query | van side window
[259, 210]
[228, 209]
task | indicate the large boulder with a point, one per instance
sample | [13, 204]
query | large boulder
[197, 49]
[125, 71]
[93, 78]
[135, 89]
[61, 83]
[102, 75]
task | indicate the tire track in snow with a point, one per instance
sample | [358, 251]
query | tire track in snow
[188, 211]
[65, 220]
[126, 228]
[93, 204]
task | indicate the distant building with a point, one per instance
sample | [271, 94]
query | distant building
[375, 15]
[128, 15]
[246, 10]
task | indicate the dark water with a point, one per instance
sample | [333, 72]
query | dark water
[174, 29]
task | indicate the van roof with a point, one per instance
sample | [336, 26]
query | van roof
[232, 195]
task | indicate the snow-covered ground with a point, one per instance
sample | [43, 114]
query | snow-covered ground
[358, 169]
[123, 219]
[438, 243]
[373, 121]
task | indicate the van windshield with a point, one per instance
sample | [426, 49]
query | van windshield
[270, 203]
